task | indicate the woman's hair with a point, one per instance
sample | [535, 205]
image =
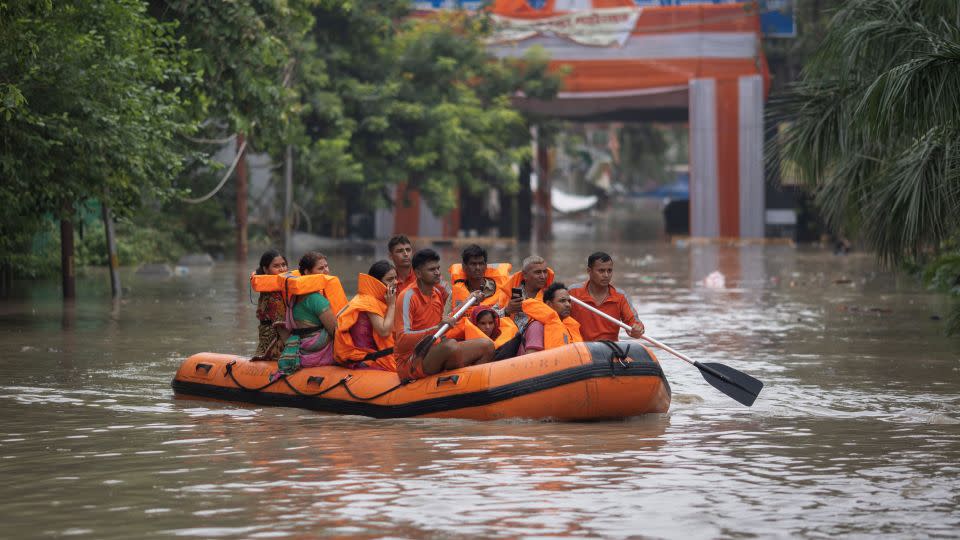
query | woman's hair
[267, 258]
[480, 311]
[309, 260]
[380, 269]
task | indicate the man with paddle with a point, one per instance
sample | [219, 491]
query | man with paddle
[735, 384]
[420, 324]
[598, 293]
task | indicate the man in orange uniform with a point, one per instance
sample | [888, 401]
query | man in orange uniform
[400, 250]
[479, 277]
[597, 292]
[550, 325]
[420, 316]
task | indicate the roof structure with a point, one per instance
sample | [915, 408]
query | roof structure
[627, 62]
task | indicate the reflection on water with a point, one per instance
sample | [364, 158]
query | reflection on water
[855, 433]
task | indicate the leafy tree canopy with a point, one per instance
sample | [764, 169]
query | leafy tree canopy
[415, 101]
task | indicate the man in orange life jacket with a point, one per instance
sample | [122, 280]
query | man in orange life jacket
[400, 250]
[474, 266]
[420, 316]
[550, 323]
[531, 279]
[597, 292]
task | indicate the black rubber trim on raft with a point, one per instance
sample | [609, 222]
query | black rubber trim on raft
[603, 365]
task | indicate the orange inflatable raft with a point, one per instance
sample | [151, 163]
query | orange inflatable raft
[580, 381]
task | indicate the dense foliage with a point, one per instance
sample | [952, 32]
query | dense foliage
[117, 101]
[90, 107]
[412, 101]
[875, 129]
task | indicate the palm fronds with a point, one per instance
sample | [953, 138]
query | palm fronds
[875, 124]
[874, 127]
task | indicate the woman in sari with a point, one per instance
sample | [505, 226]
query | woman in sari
[311, 322]
[364, 338]
[271, 311]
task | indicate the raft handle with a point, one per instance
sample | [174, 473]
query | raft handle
[449, 378]
[205, 367]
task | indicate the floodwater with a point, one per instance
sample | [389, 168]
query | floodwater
[857, 432]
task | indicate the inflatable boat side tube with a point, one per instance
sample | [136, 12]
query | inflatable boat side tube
[605, 364]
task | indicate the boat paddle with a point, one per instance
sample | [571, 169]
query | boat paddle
[736, 384]
[426, 343]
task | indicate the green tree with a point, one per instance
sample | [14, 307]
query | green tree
[415, 101]
[875, 128]
[90, 108]
[253, 59]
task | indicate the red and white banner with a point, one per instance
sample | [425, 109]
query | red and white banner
[596, 27]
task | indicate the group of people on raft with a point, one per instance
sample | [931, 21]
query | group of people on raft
[403, 300]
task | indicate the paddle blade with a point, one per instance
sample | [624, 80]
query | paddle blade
[736, 384]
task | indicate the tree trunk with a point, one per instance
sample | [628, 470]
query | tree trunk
[543, 196]
[6, 279]
[241, 202]
[67, 269]
[112, 258]
[524, 204]
[288, 202]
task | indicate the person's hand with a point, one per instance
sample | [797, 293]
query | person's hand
[478, 295]
[449, 320]
[391, 297]
[637, 330]
[514, 306]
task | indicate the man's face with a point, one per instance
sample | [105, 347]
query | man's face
[536, 275]
[475, 268]
[429, 273]
[601, 273]
[401, 254]
[561, 303]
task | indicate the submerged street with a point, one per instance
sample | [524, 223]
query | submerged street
[856, 432]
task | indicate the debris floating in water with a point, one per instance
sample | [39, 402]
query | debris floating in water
[715, 280]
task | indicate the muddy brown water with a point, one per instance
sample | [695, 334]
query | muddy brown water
[857, 432]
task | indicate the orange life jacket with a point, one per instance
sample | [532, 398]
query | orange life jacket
[292, 284]
[556, 332]
[507, 330]
[369, 299]
[498, 272]
[516, 281]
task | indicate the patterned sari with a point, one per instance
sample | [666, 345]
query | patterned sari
[311, 349]
[270, 310]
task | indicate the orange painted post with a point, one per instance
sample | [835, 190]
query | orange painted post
[728, 151]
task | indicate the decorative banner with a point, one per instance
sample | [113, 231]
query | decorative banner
[596, 27]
